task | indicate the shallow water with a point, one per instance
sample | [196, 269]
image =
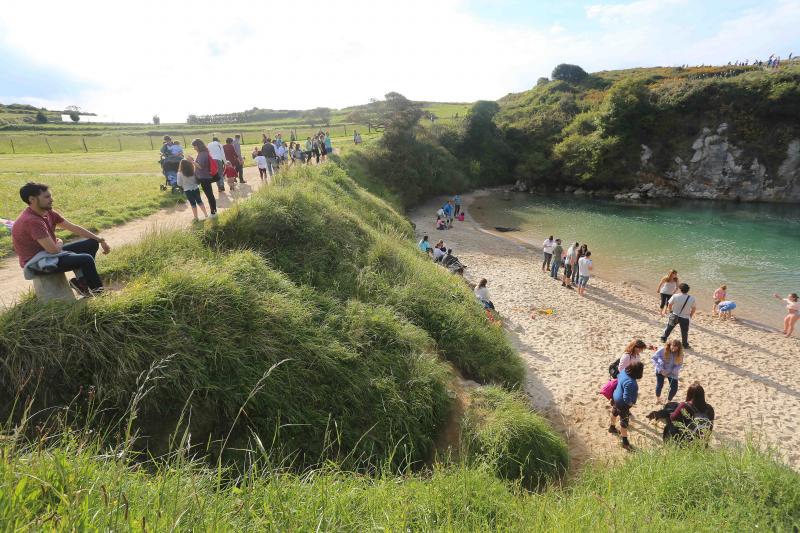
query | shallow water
[753, 248]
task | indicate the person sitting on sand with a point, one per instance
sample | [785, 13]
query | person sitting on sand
[666, 288]
[689, 420]
[482, 294]
[668, 361]
[726, 308]
[425, 246]
[720, 294]
[440, 224]
[449, 258]
[793, 313]
[625, 396]
[41, 252]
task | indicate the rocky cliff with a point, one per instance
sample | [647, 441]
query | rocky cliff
[718, 169]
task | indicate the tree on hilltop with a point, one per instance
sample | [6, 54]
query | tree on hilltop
[569, 73]
[41, 118]
[156, 120]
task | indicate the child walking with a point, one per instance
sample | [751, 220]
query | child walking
[231, 175]
[261, 163]
[188, 182]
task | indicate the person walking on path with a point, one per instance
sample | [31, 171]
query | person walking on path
[457, 202]
[234, 158]
[268, 151]
[666, 288]
[681, 309]
[584, 272]
[216, 151]
[570, 262]
[625, 396]
[202, 171]
[191, 188]
[40, 252]
[667, 362]
[237, 146]
[558, 251]
[547, 250]
[793, 312]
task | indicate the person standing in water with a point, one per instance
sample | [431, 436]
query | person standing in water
[793, 313]
[719, 295]
[666, 288]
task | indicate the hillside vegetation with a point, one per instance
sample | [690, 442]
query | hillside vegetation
[589, 129]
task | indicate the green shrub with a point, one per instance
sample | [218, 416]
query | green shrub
[501, 431]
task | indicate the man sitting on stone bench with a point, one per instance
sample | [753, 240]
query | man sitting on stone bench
[41, 252]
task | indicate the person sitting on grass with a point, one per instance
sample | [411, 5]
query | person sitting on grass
[439, 251]
[425, 245]
[41, 252]
[625, 396]
[449, 258]
[482, 294]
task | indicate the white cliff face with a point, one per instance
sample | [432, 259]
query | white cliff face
[718, 170]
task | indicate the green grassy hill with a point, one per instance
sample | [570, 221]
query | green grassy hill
[589, 131]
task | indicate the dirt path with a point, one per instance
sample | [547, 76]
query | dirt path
[12, 284]
[750, 373]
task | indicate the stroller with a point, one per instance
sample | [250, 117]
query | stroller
[169, 167]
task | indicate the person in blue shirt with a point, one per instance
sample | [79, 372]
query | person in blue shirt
[624, 398]
[425, 245]
[448, 213]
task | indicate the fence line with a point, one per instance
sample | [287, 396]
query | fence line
[76, 143]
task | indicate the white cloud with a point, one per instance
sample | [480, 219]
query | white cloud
[180, 57]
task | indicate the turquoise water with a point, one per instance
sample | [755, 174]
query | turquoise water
[753, 248]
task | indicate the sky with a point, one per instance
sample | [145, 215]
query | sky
[130, 60]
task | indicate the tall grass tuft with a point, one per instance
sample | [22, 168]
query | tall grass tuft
[501, 431]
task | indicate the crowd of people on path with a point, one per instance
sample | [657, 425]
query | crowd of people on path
[223, 164]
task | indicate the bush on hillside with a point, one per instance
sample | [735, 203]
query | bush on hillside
[569, 73]
[501, 431]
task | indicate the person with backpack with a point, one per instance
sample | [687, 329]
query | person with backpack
[218, 153]
[625, 396]
[681, 309]
[690, 420]
[205, 172]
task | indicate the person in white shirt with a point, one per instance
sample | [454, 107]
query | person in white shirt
[261, 163]
[681, 309]
[216, 151]
[482, 294]
[570, 262]
[438, 254]
[792, 312]
[547, 249]
[584, 272]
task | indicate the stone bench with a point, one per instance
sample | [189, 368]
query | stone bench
[50, 287]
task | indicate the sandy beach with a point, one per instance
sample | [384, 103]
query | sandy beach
[750, 373]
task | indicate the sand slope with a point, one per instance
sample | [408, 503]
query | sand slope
[751, 374]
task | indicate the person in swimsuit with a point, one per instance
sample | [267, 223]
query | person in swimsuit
[793, 313]
[719, 295]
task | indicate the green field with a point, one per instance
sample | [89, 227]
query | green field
[59, 138]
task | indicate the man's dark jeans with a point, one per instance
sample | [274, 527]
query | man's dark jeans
[240, 172]
[684, 324]
[81, 261]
